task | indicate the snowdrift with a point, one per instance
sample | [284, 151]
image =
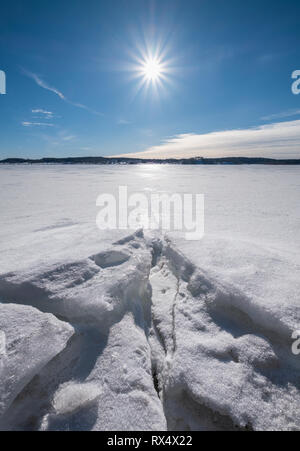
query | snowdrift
[140, 337]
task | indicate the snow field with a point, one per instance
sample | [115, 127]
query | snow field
[148, 341]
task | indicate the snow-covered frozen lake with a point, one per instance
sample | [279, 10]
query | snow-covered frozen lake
[49, 212]
[174, 334]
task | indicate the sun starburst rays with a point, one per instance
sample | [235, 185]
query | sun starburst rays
[151, 71]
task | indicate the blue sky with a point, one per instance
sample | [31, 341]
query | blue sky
[72, 78]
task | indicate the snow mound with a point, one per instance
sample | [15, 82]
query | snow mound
[106, 299]
[158, 343]
[217, 367]
[29, 340]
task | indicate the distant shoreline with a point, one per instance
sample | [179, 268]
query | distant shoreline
[129, 161]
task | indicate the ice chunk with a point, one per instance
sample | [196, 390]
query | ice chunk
[30, 339]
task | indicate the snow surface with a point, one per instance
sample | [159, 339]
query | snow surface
[151, 332]
[30, 340]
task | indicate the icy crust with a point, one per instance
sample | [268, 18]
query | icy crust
[217, 367]
[103, 380]
[29, 340]
[157, 344]
[267, 277]
[83, 291]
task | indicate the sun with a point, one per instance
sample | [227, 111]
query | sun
[152, 69]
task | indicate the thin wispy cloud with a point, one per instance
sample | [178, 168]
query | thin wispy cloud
[268, 57]
[50, 88]
[68, 138]
[56, 138]
[43, 84]
[276, 140]
[283, 114]
[44, 113]
[123, 122]
[36, 124]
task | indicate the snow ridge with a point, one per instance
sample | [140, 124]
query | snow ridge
[145, 340]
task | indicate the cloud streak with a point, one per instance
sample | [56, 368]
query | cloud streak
[283, 114]
[43, 84]
[36, 124]
[123, 122]
[46, 86]
[276, 140]
[43, 113]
